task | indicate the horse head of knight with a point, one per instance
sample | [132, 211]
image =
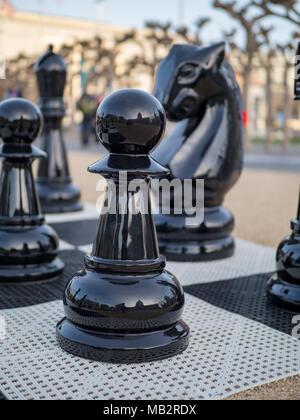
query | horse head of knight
[188, 78]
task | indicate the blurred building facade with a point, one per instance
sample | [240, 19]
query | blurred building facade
[24, 34]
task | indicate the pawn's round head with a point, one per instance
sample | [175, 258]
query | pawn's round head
[20, 121]
[131, 122]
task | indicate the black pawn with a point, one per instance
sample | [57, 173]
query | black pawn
[28, 247]
[284, 287]
[124, 307]
[54, 184]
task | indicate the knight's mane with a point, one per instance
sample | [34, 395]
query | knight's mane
[229, 75]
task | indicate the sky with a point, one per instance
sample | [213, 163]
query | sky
[133, 13]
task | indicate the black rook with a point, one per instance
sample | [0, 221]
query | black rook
[124, 307]
[54, 184]
[28, 247]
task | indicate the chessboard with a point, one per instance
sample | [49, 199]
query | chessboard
[238, 339]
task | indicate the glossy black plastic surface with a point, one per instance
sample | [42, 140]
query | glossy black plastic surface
[284, 287]
[199, 91]
[124, 307]
[54, 184]
[136, 126]
[297, 74]
[28, 247]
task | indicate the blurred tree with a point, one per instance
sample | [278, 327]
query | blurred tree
[287, 51]
[195, 38]
[250, 15]
[91, 59]
[287, 9]
[153, 47]
[267, 58]
[158, 37]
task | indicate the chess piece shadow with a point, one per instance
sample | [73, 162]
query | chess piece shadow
[199, 92]
[283, 289]
[124, 307]
[28, 247]
[54, 184]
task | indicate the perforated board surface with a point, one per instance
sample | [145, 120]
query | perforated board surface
[238, 340]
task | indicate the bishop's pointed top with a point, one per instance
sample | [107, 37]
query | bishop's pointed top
[51, 73]
[51, 62]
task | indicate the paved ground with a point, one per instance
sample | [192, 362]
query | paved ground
[274, 162]
[263, 201]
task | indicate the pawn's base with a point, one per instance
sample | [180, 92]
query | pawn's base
[122, 348]
[283, 294]
[59, 198]
[31, 273]
[209, 250]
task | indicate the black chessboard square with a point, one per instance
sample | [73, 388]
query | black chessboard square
[22, 295]
[245, 296]
[78, 233]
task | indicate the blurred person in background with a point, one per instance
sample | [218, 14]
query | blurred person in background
[13, 92]
[87, 104]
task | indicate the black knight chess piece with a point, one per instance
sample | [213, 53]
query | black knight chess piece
[28, 247]
[54, 184]
[124, 307]
[199, 91]
[284, 287]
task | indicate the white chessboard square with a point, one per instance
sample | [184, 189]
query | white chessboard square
[227, 354]
[89, 212]
[2, 328]
[249, 259]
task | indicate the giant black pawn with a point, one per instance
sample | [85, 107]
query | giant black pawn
[54, 184]
[124, 307]
[284, 287]
[28, 247]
